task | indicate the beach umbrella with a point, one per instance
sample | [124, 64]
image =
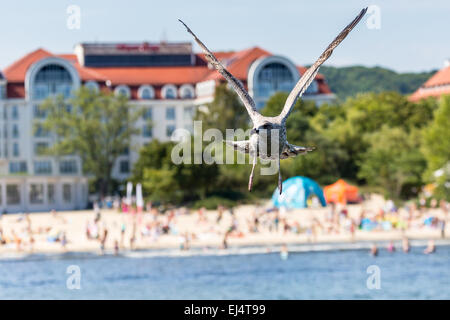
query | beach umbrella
[296, 191]
[341, 192]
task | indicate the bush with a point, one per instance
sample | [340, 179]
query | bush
[212, 203]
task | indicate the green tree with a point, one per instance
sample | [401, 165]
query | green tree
[393, 161]
[160, 185]
[436, 147]
[365, 114]
[165, 181]
[95, 126]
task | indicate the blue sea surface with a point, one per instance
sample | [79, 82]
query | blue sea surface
[306, 275]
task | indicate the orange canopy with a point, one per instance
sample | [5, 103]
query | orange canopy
[341, 192]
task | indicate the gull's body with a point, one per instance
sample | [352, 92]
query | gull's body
[268, 139]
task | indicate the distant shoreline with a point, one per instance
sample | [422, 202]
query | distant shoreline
[202, 251]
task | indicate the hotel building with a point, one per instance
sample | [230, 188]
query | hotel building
[436, 86]
[168, 80]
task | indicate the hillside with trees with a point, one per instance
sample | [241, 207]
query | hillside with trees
[349, 81]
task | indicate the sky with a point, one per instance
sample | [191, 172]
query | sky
[405, 36]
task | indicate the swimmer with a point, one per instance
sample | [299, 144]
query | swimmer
[431, 247]
[374, 250]
[405, 245]
[390, 246]
[284, 253]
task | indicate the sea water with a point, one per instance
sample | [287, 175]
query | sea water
[324, 274]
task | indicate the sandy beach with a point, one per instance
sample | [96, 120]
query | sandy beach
[202, 230]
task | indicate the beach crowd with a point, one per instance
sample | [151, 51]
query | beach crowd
[117, 226]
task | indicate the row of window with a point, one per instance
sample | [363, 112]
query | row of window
[14, 113]
[170, 113]
[147, 131]
[15, 150]
[39, 113]
[146, 92]
[43, 167]
[14, 131]
[36, 194]
[54, 79]
[40, 149]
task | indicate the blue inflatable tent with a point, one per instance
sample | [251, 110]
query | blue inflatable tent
[296, 191]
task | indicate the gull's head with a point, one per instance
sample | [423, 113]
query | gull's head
[262, 129]
[265, 130]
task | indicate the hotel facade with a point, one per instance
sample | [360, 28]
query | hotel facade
[168, 80]
[437, 86]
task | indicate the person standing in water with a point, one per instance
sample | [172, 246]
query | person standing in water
[391, 247]
[374, 250]
[431, 248]
[116, 247]
[405, 245]
[284, 253]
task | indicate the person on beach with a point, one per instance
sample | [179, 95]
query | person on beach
[353, 225]
[201, 215]
[17, 240]
[431, 248]
[2, 238]
[133, 235]
[116, 247]
[63, 240]
[219, 214]
[123, 228]
[276, 220]
[374, 250]
[185, 244]
[225, 241]
[103, 240]
[405, 245]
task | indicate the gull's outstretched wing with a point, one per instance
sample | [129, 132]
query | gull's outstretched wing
[235, 83]
[311, 73]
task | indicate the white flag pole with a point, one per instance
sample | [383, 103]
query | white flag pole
[129, 193]
[139, 198]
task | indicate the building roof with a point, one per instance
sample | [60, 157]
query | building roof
[436, 86]
[237, 62]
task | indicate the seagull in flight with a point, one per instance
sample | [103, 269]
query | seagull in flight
[268, 139]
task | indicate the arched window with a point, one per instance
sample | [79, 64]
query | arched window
[169, 91]
[187, 91]
[122, 90]
[146, 92]
[92, 85]
[52, 79]
[272, 78]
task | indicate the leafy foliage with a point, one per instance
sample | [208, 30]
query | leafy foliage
[392, 161]
[436, 147]
[95, 126]
[374, 139]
